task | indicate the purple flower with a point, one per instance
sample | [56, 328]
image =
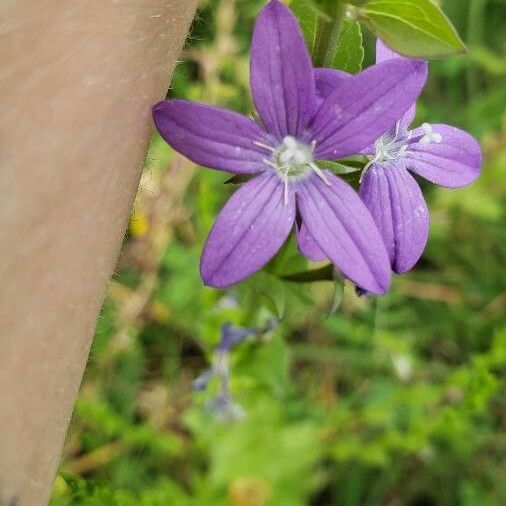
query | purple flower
[297, 128]
[440, 153]
[230, 336]
[222, 404]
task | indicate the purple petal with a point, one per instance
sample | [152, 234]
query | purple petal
[282, 81]
[307, 245]
[327, 81]
[211, 136]
[384, 53]
[249, 230]
[342, 227]
[365, 106]
[397, 205]
[453, 163]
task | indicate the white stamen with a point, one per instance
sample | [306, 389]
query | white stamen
[265, 146]
[397, 128]
[366, 168]
[274, 166]
[270, 163]
[319, 173]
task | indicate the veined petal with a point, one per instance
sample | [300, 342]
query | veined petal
[396, 203]
[375, 192]
[453, 162]
[307, 245]
[248, 232]
[365, 106]
[327, 81]
[343, 228]
[384, 53]
[282, 81]
[211, 136]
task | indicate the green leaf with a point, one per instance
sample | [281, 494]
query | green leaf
[306, 12]
[288, 259]
[416, 28]
[339, 168]
[350, 51]
[280, 298]
[338, 296]
[325, 273]
[239, 178]
[267, 364]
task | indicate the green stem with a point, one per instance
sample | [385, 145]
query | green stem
[327, 33]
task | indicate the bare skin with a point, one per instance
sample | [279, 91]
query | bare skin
[76, 90]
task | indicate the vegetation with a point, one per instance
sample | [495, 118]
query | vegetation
[397, 400]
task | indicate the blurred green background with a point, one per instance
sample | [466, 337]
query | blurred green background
[398, 400]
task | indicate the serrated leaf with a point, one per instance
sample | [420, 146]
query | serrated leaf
[416, 28]
[350, 50]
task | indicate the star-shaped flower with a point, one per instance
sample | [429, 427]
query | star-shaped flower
[297, 129]
[440, 153]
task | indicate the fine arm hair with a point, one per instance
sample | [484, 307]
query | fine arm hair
[78, 84]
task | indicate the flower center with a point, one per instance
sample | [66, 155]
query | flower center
[393, 145]
[292, 160]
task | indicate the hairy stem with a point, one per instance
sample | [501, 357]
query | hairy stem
[327, 33]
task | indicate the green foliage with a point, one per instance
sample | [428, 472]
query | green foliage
[350, 401]
[306, 12]
[350, 51]
[415, 28]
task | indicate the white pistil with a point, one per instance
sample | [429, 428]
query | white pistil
[430, 136]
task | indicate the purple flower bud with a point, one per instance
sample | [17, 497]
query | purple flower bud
[200, 383]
